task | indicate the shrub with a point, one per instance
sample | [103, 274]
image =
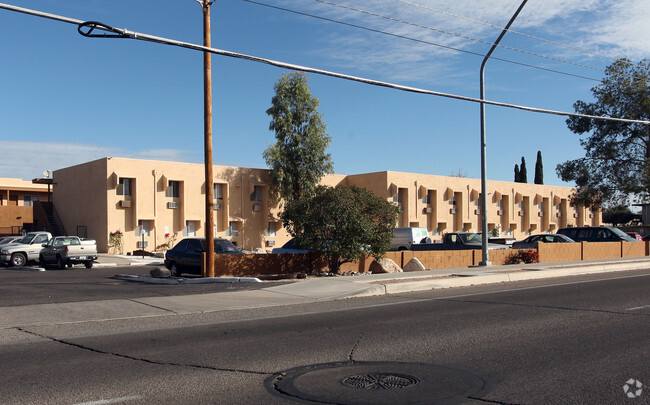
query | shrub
[523, 256]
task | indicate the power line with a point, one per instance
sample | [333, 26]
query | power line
[456, 35]
[87, 29]
[510, 31]
[418, 40]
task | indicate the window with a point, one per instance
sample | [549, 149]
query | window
[233, 229]
[257, 193]
[143, 229]
[217, 191]
[28, 200]
[270, 230]
[124, 186]
[173, 189]
[190, 228]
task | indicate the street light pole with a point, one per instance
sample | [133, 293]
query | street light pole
[208, 269]
[484, 197]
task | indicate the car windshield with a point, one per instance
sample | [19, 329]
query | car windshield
[470, 238]
[26, 239]
[619, 233]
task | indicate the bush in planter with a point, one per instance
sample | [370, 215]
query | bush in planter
[523, 256]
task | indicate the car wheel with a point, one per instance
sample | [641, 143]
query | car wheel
[176, 272]
[89, 265]
[60, 263]
[41, 261]
[18, 259]
[70, 265]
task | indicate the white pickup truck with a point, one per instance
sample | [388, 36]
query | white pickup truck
[27, 249]
[68, 251]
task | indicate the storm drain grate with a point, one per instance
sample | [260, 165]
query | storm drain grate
[379, 381]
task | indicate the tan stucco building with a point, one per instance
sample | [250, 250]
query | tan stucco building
[151, 201]
[18, 199]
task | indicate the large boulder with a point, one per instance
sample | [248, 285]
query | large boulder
[414, 265]
[384, 265]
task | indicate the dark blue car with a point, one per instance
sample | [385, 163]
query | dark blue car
[186, 256]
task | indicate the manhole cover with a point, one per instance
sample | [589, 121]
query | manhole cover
[377, 383]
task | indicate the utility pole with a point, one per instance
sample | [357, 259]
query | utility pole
[484, 219]
[208, 269]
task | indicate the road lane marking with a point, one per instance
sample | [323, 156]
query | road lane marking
[111, 401]
[637, 308]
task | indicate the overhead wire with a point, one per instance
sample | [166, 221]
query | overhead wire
[419, 40]
[456, 35]
[509, 30]
[112, 32]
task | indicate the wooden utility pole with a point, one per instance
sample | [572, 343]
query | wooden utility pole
[208, 269]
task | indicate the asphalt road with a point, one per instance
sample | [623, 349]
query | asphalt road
[573, 340]
[22, 287]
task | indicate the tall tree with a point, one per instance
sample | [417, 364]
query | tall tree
[298, 160]
[523, 173]
[616, 165]
[539, 169]
[341, 222]
[517, 174]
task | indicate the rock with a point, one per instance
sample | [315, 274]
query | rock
[384, 266]
[160, 273]
[414, 265]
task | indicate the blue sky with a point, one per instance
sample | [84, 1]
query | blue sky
[67, 99]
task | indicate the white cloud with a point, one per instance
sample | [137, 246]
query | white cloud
[28, 160]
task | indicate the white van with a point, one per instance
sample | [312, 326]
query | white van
[403, 238]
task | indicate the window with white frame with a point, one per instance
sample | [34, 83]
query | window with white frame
[143, 229]
[217, 191]
[270, 230]
[233, 229]
[124, 186]
[28, 200]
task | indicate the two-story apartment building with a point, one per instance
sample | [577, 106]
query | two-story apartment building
[17, 200]
[151, 201]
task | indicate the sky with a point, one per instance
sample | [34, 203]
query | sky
[66, 99]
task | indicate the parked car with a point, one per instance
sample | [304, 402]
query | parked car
[186, 256]
[458, 241]
[596, 234]
[532, 241]
[290, 247]
[9, 239]
[68, 251]
[26, 249]
[635, 235]
[405, 238]
[502, 241]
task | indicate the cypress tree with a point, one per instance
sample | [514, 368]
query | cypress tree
[516, 173]
[523, 173]
[539, 169]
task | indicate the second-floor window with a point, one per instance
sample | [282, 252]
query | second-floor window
[173, 189]
[28, 200]
[217, 191]
[124, 186]
[257, 193]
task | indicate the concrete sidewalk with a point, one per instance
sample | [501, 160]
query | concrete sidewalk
[299, 292]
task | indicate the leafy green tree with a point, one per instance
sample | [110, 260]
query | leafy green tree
[616, 163]
[619, 215]
[341, 222]
[298, 160]
[523, 173]
[539, 169]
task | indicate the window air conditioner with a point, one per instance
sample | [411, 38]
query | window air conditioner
[499, 212]
[522, 213]
[540, 214]
[452, 211]
[559, 215]
[257, 207]
[429, 210]
[125, 204]
[477, 212]
[575, 215]
[172, 204]
[143, 244]
[216, 206]
[270, 243]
